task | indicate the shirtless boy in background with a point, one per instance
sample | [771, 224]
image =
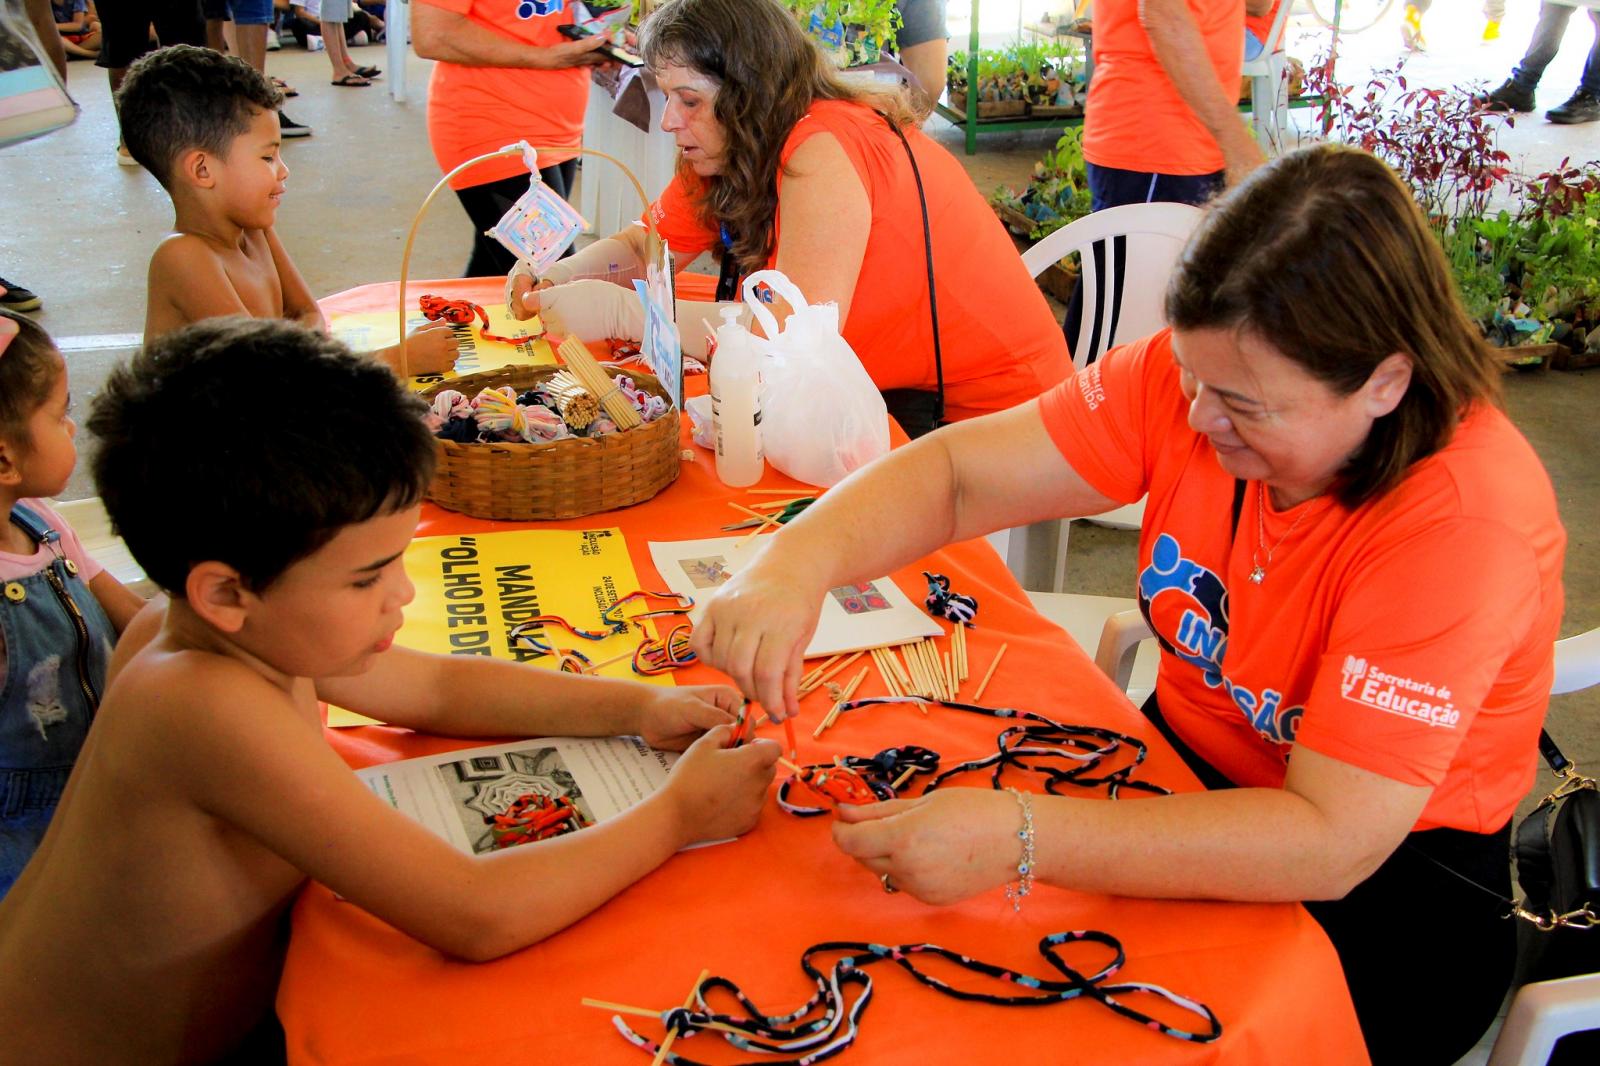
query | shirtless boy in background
[206, 126]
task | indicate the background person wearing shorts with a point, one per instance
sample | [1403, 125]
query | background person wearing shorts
[125, 36]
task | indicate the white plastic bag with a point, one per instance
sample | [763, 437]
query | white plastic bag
[821, 415]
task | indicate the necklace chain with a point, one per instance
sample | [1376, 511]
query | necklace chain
[1258, 572]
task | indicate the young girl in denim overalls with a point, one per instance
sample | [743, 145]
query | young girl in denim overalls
[59, 611]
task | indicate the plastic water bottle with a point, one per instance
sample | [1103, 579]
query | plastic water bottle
[736, 403]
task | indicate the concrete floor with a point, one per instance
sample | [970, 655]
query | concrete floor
[79, 230]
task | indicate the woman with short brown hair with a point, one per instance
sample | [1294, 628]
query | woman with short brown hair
[1350, 558]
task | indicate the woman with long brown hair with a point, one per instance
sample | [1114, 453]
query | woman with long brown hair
[785, 165]
[1350, 558]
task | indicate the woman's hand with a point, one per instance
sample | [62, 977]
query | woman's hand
[940, 848]
[520, 284]
[590, 310]
[756, 629]
[671, 718]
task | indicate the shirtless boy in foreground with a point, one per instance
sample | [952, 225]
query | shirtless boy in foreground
[149, 926]
[206, 126]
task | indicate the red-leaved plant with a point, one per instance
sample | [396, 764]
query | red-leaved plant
[1441, 143]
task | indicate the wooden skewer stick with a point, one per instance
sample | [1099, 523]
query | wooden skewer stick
[838, 667]
[595, 668]
[903, 778]
[741, 508]
[886, 672]
[900, 674]
[844, 698]
[646, 1012]
[672, 1034]
[811, 676]
[778, 505]
[798, 771]
[583, 366]
[949, 676]
[984, 684]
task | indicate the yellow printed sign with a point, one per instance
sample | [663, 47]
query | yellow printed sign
[372, 330]
[472, 588]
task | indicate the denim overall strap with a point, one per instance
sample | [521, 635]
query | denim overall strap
[58, 645]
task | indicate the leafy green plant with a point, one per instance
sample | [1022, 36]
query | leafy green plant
[1058, 191]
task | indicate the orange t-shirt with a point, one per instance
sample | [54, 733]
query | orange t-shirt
[1134, 118]
[1000, 343]
[474, 110]
[1261, 25]
[1410, 636]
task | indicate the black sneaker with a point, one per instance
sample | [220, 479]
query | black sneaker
[15, 298]
[1508, 97]
[288, 127]
[1583, 107]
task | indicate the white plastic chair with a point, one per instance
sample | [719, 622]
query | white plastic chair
[1269, 83]
[1577, 663]
[1542, 1013]
[1545, 1011]
[1125, 256]
[1088, 619]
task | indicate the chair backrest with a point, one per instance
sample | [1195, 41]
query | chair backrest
[1119, 302]
[1577, 663]
[1274, 39]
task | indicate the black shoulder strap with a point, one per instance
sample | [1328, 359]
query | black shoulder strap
[33, 524]
[927, 243]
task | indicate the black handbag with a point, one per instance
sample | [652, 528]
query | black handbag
[1557, 850]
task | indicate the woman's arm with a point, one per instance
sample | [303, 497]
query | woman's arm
[1323, 833]
[826, 219]
[453, 38]
[967, 479]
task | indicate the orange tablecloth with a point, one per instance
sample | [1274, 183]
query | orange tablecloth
[355, 990]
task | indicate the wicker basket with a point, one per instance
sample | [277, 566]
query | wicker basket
[558, 479]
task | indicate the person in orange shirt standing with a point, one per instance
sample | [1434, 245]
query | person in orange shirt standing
[1350, 558]
[783, 165]
[1162, 120]
[504, 72]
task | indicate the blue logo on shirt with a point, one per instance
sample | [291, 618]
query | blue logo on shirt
[1172, 585]
[528, 9]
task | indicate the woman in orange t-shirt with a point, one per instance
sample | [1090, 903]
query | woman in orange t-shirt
[783, 165]
[1350, 558]
[504, 72]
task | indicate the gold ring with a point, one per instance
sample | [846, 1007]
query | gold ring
[888, 885]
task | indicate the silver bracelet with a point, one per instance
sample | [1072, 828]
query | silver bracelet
[1024, 883]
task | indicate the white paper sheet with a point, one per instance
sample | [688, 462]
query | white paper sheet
[454, 794]
[869, 615]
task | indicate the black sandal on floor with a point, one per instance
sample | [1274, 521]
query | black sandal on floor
[351, 81]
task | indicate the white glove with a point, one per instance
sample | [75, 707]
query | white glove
[591, 310]
[594, 310]
[607, 260]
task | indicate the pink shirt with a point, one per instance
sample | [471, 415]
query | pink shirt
[13, 566]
